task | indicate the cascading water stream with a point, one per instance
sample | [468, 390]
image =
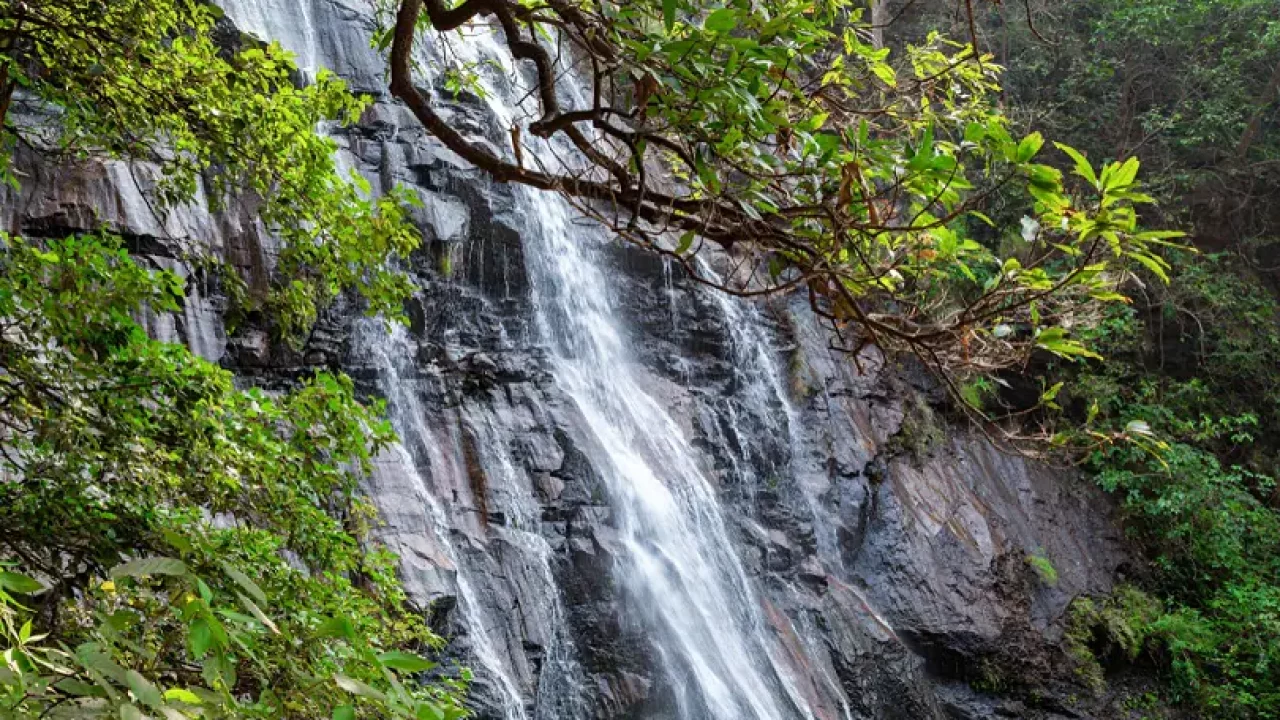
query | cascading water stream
[388, 352]
[677, 558]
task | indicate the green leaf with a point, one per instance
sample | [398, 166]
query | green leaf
[983, 218]
[245, 582]
[180, 543]
[1055, 341]
[344, 712]
[669, 14]
[1029, 146]
[1052, 393]
[355, 687]
[142, 688]
[71, 686]
[182, 695]
[407, 662]
[721, 21]
[686, 242]
[383, 41]
[885, 73]
[149, 566]
[200, 636]
[1157, 266]
[257, 613]
[814, 122]
[92, 657]
[1082, 167]
[1123, 175]
[338, 626]
[129, 711]
[428, 711]
[16, 582]
[361, 182]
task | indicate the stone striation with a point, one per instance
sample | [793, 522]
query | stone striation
[888, 548]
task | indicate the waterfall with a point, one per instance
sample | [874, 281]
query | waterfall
[678, 561]
[675, 559]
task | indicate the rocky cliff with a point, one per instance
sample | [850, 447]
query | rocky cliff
[883, 554]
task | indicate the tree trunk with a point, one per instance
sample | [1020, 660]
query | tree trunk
[879, 19]
[1255, 123]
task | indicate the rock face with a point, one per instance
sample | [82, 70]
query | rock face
[884, 553]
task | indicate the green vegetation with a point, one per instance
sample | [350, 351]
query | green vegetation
[1203, 506]
[1120, 623]
[1193, 367]
[144, 80]
[1043, 568]
[171, 545]
[837, 167]
[171, 542]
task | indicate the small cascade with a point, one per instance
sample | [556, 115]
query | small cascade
[765, 390]
[391, 354]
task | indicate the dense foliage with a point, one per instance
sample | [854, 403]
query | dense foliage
[170, 544]
[1191, 89]
[174, 545]
[1204, 505]
[779, 130]
[143, 80]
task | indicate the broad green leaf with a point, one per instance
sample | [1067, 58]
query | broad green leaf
[72, 686]
[344, 712]
[686, 242]
[669, 14]
[18, 583]
[885, 73]
[338, 626]
[1157, 266]
[245, 582]
[1082, 166]
[143, 689]
[200, 636]
[428, 711]
[94, 658]
[1029, 146]
[183, 695]
[407, 662]
[145, 567]
[360, 689]
[721, 21]
[1123, 175]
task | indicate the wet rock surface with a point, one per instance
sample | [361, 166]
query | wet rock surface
[888, 549]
